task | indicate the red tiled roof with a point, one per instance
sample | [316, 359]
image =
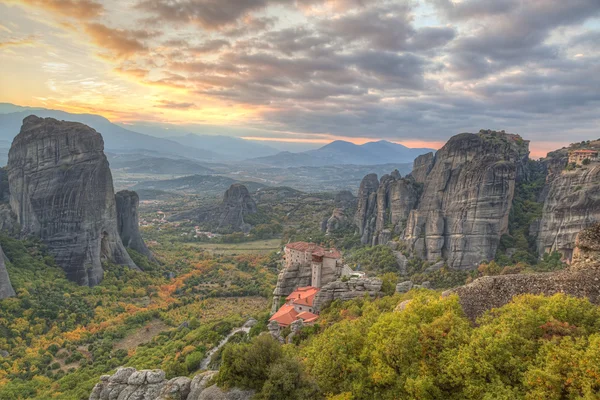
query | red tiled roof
[307, 316]
[285, 315]
[315, 249]
[302, 246]
[585, 151]
[303, 296]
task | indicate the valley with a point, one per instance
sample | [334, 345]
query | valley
[177, 269]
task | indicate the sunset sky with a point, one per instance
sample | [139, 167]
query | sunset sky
[413, 72]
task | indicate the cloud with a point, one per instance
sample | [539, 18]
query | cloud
[174, 105]
[24, 42]
[80, 9]
[209, 14]
[120, 42]
[501, 34]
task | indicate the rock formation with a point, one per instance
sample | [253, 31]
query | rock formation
[351, 289]
[345, 204]
[228, 216]
[61, 190]
[6, 289]
[571, 203]
[128, 222]
[384, 206]
[467, 196]
[130, 384]
[579, 280]
[422, 166]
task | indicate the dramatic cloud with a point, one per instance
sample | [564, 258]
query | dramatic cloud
[412, 70]
[81, 9]
[121, 42]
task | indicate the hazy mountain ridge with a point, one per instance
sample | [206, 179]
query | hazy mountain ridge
[341, 152]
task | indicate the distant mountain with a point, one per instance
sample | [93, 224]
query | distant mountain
[159, 166]
[341, 153]
[116, 138]
[196, 184]
[233, 148]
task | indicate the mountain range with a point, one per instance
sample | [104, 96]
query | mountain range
[210, 147]
[341, 152]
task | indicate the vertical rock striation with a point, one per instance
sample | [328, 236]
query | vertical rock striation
[422, 166]
[467, 196]
[127, 202]
[571, 204]
[384, 206]
[6, 289]
[61, 190]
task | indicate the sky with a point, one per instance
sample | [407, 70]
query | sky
[312, 71]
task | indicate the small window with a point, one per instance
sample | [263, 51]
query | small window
[300, 308]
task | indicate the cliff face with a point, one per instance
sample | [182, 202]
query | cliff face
[128, 222]
[228, 216]
[572, 203]
[467, 196]
[384, 206]
[579, 280]
[61, 190]
[6, 289]
[422, 166]
[345, 204]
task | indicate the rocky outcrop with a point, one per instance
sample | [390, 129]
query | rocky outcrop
[422, 166]
[579, 280]
[571, 203]
[6, 289]
[130, 384]
[365, 218]
[351, 289]
[61, 190]
[128, 222]
[228, 216]
[345, 204]
[291, 277]
[466, 200]
[384, 206]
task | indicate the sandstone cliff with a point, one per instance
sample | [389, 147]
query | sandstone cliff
[228, 216]
[384, 206]
[467, 196]
[61, 190]
[128, 222]
[571, 203]
[345, 204]
[6, 289]
[579, 280]
[130, 384]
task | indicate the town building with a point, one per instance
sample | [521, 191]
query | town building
[298, 305]
[579, 156]
[325, 264]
